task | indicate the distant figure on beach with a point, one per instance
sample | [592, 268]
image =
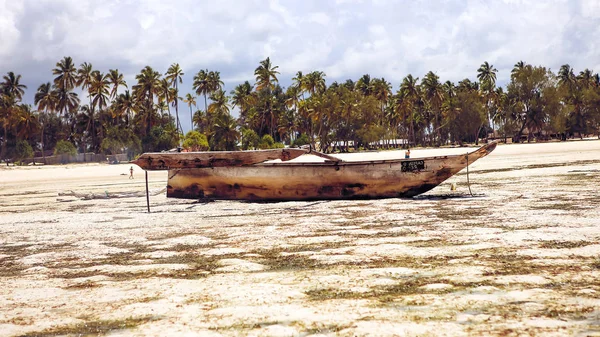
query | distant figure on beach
[131, 172]
[407, 154]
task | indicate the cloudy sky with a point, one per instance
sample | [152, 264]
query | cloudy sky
[343, 38]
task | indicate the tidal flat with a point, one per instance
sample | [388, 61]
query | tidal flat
[519, 257]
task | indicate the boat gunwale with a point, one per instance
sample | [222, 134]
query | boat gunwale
[361, 162]
[480, 150]
[220, 153]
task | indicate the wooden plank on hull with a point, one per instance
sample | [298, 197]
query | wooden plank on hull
[190, 160]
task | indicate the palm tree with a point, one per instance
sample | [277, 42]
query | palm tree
[243, 98]
[226, 134]
[84, 75]
[45, 100]
[214, 82]
[501, 113]
[99, 90]
[190, 100]
[162, 106]
[266, 79]
[450, 108]
[364, 85]
[266, 75]
[27, 122]
[219, 105]
[174, 76]
[115, 79]
[66, 74]
[381, 90]
[99, 93]
[487, 77]
[148, 84]
[566, 76]
[66, 79]
[293, 94]
[596, 80]
[12, 86]
[434, 96]
[315, 82]
[586, 78]
[125, 105]
[517, 69]
[209, 85]
[299, 82]
[410, 95]
[486, 74]
[11, 93]
[85, 79]
[200, 85]
[165, 94]
[66, 101]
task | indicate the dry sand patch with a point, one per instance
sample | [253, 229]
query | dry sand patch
[520, 257]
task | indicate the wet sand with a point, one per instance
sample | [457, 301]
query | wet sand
[521, 257]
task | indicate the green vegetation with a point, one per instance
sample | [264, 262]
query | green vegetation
[65, 147]
[88, 328]
[367, 113]
[23, 150]
[195, 141]
[403, 287]
[266, 142]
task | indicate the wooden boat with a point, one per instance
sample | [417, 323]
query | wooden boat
[287, 181]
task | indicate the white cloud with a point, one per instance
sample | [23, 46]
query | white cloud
[320, 18]
[344, 38]
[590, 8]
[341, 2]
[9, 34]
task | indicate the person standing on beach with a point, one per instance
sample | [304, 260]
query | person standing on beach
[407, 154]
[131, 172]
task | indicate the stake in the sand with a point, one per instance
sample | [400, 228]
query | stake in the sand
[147, 195]
[468, 183]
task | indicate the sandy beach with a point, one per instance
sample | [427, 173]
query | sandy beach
[520, 257]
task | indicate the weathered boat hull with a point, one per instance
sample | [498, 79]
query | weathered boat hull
[319, 181]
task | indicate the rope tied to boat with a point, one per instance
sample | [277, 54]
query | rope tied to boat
[468, 182]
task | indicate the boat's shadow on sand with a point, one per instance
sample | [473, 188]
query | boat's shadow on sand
[415, 198]
[448, 196]
[310, 203]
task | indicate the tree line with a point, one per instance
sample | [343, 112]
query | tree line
[113, 117]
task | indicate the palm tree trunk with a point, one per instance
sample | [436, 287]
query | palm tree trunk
[477, 134]
[93, 129]
[177, 107]
[191, 117]
[518, 137]
[504, 130]
[412, 132]
[208, 119]
[3, 152]
[271, 124]
[149, 112]
[205, 105]
[43, 150]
